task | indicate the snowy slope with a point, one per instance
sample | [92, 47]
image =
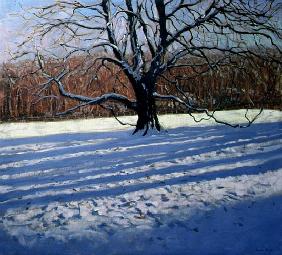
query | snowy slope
[90, 187]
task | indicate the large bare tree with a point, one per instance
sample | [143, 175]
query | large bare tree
[146, 41]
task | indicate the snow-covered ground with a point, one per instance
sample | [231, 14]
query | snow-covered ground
[90, 187]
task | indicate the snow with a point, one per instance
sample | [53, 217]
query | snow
[90, 187]
[32, 129]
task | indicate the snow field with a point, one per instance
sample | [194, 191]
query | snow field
[195, 189]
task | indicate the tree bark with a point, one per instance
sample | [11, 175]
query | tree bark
[146, 110]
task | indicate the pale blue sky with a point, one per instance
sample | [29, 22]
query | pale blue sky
[9, 24]
[8, 6]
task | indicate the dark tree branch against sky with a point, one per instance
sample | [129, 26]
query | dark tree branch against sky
[146, 40]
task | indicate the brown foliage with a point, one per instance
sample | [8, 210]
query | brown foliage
[257, 84]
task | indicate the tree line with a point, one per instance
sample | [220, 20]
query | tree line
[257, 85]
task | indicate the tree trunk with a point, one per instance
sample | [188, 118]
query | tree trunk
[146, 110]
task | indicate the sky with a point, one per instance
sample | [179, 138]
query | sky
[7, 6]
[8, 23]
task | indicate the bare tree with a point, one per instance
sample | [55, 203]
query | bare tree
[144, 42]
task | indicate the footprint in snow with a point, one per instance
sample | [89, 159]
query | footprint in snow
[128, 204]
[118, 149]
[175, 207]
[143, 198]
[164, 198]
[168, 190]
[123, 200]
[184, 195]
[150, 204]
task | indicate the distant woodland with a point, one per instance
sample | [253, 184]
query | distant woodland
[22, 97]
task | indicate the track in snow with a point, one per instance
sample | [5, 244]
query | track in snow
[202, 190]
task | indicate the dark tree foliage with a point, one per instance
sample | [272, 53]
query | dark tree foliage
[146, 41]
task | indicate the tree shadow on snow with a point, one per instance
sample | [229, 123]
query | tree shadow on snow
[248, 227]
[74, 166]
